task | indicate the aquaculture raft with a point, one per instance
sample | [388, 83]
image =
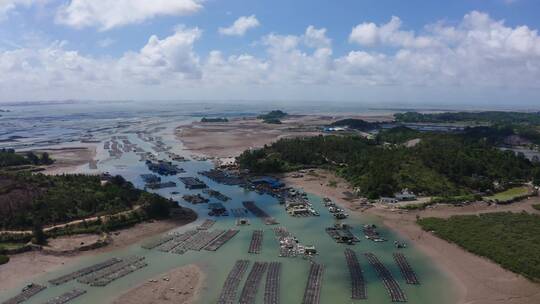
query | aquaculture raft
[358, 284]
[221, 240]
[230, 287]
[256, 241]
[312, 294]
[406, 270]
[207, 224]
[258, 212]
[79, 273]
[111, 273]
[66, 297]
[26, 294]
[395, 292]
[273, 278]
[249, 292]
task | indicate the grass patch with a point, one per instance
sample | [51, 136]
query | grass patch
[509, 194]
[511, 240]
[4, 259]
[11, 246]
[536, 206]
[332, 183]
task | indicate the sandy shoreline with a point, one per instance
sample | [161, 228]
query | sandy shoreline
[230, 139]
[17, 272]
[180, 285]
[68, 159]
[476, 279]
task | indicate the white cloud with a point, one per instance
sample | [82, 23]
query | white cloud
[316, 37]
[240, 26]
[369, 34]
[9, 5]
[107, 14]
[478, 54]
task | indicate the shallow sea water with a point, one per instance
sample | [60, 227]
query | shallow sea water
[435, 287]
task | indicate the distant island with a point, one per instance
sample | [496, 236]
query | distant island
[217, 119]
[273, 117]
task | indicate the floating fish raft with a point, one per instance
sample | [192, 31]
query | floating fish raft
[256, 242]
[66, 297]
[28, 292]
[312, 294]
[406, 270]
[258, 212]
[392, 287]
[230, 287]
[249, 292]
[273, 282]
[358, 283]
[195, 240]
[114, 272]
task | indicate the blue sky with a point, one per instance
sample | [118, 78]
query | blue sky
[383, 51]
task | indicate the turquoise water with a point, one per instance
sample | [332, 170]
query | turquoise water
[435, 286]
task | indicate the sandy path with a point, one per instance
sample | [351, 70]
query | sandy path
[179, 286]
[17, 271]
[477, 280]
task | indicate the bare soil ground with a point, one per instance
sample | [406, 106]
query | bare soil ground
[68, 159]
[230, 139]
[179, 286]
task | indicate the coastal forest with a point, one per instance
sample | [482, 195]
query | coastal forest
[509, 239]
[27, 200]
[440, 164]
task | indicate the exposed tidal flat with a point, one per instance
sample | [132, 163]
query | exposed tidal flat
[435, 288]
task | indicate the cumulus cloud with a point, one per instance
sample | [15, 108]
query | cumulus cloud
[8, 5]
[240, 26]
[476, 54]
[107, 14]
[369, 34]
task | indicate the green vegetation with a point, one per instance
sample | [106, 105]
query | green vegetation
[3, 259]
[536, 206]
[28, 201]
[356, 124]
[510, 194]
[273, 121]
[445, 165]
[509, 239]
[491, 117]
[217, 119]
[9, 158]
[398, 135]
[273, 117]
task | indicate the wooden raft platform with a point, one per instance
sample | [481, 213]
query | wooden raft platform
[26, 294]
[207, 224]
[358, 283]
[221, 240]
[230, 287]
[256, 242]
[273, 282]
[82, 272]
[66, 297]
[251, 287]
[406, 270]
[393, 288]
[312, 294]
[258, 212]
